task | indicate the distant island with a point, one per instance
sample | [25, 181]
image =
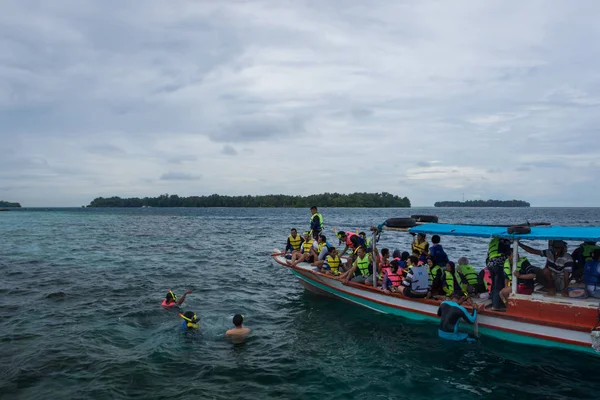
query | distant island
[8, 204]
[482, 203]
[275, 200]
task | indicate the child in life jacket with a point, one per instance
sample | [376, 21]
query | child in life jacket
[391, 280]
[171, 299]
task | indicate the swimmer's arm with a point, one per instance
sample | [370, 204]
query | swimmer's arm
[468, 317]
[183, 297]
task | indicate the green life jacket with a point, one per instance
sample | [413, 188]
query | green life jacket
[493, 248]
[320, 217]
[508, 267]
[448, 283]
[587, 250]
[465, 275]
[363, 265]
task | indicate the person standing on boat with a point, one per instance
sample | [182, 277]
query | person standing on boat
[294, 241]
[559, 265]
[316, 222]
[416, 284]
[591, 275]
[450, 313]
[420, 244]
[353, 242]
[498, 250]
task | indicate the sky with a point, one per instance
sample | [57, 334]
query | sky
[433, 100]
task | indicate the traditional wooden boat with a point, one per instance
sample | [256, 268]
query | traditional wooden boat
[535, 319]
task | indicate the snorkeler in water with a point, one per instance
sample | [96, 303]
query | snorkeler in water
[239, 333]
[190, 321]
[171, 299]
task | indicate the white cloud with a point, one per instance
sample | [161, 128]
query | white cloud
[420, 98]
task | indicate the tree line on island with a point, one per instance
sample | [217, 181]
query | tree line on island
[8, 204]
[276, 200]
[482, 203]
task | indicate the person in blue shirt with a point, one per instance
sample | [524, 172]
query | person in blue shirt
[190, 321]
[450, 313]
[436, 251]
[591, 275]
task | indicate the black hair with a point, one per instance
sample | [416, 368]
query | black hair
[414, 260]
[294, 229]
[404, 255]
[363, 248]
[385, 252]
[190, 315]
[435, 239]
[331, 249]
[362, 234]
[394, 266]
[341, 233]
[238, 319]
[314, 208]
[323, 237]
[396, 254]
[596, 253]
[170, 297]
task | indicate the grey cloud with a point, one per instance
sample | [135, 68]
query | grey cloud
[228, 150]
[523, 168]
[259, 128]
[181, 159]
[424, 164]
[106, 149]
[179, 176]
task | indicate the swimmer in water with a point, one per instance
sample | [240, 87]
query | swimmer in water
[239, 333]
[171, 299]
[190, 321]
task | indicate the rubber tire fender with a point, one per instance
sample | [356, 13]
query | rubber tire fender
[519, 230]
[400, 222]
[425, 218]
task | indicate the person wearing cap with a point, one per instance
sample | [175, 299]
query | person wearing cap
[190, 321]
[559, 265]
[239, 333]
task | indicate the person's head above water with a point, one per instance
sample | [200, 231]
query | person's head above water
[238, 320]
[191, 319]
[170, 297]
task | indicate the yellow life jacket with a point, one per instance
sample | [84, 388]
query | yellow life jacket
[420, 247]
[508, 267]
[307, 245]
[448, 283]
[334, 264]
[465, 275]
[295, 242]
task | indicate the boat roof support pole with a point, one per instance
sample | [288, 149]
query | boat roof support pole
[374, 260]
[515, 264]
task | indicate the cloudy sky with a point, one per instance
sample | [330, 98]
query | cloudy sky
[425, 99]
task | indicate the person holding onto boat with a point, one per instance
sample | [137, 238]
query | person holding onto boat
[525, 274]
[305, 255]
[416, 284]
[316, 222]
[591, 275]
[239, 333]
[559, 265]
[420, 244]
[498, 250]
[451, 312]
[171, 299]
[466, 277]
[294, 241]
[362, 267]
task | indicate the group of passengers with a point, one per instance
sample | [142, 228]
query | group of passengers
[428, 272]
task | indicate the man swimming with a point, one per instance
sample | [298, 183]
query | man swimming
[451, 312]
[190, 321]
[239, 333]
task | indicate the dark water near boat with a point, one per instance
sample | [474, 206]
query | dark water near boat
[80, 315]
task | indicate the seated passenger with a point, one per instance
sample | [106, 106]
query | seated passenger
[436, 277]
[581, 255]
[332, 262]
[320, 251]
[360, 272]
[559, 265]
[384, 258]
[306, 254]
[417, 283]
[525, 274]
[450, 313]
[591, 275]
[171, 299]
[448, 279]
[294, 241]
[391, 279]
[436, 251]
[466, 277]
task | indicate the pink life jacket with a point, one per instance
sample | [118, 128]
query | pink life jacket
[164, 303]
[487, 277]
[348, 241]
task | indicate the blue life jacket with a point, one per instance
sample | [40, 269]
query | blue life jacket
[438, 255]
[590, 273]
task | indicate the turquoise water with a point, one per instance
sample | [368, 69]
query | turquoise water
[80, 314]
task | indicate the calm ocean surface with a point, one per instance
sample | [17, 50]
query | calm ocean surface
[80, 313]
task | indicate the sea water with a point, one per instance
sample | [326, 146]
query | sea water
[80, 313]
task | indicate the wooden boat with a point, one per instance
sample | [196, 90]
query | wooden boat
[534, 319]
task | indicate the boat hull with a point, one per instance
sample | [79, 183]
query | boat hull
[518, 325]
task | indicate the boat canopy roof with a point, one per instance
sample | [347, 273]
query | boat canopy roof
[583, 233]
